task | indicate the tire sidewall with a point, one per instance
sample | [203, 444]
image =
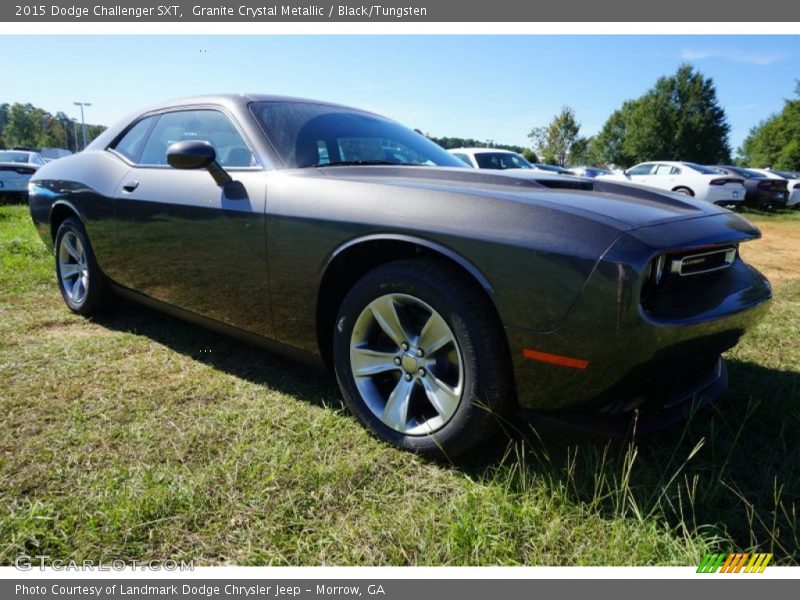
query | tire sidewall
[447, 305]
[73, 225]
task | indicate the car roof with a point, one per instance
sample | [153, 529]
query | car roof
[482, 150]
[239, 100]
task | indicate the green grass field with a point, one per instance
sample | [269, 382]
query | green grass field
[138, 436]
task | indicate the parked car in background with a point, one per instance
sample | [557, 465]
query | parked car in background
[553, 169]
[492, 158]
[49, 154]
[792, 179]
[591, 172]
[762, 191]
[16, 168]
[689, 179]
[444, 299]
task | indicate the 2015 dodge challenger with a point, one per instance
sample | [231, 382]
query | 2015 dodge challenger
[445, 299]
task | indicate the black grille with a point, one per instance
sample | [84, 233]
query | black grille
[702, 262]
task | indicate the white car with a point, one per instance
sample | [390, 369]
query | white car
[793, 184]
[493, 158]
[686, 178]
[16, 168]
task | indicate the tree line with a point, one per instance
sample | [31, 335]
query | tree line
[679, 118]
[456, 142]
[31, 126]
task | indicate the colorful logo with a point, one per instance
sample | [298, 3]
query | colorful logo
[734, 562]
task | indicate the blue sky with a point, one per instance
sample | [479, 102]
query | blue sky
[486, 87]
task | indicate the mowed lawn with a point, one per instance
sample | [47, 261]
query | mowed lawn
[138, 436]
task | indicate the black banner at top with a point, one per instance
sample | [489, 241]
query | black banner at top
[413, 11]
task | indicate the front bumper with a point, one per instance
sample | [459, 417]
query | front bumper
[643, 419]
[616, 353]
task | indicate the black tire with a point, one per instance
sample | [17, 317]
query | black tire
[97, 293]
[683, 190]
[486, 391]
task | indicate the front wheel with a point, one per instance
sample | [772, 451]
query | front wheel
[421, 360]
[80, 280]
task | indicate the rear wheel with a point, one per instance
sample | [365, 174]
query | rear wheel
[80, 280]
[683, 190]
[421, 360]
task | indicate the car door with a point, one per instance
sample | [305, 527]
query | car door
[640, 174]
[664, 176]
[183, 239]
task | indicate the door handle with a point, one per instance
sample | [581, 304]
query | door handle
[130, 186]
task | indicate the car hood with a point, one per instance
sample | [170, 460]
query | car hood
[624, 206]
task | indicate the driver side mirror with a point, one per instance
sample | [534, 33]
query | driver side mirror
[197, 154]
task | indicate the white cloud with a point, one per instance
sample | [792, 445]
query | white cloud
[750, 58]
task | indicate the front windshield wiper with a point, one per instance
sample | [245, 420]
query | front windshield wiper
[349, 163]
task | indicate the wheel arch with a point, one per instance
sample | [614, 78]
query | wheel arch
[59, 212]
[352, 260]
[677, 189]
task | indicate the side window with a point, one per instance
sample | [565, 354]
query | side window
[486, 160]
[463, 157]
[675, 171]
[641, 169]
[322, 153]
[131, 144]
[206, 125]
[664, 170]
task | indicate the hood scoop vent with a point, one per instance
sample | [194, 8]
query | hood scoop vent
[567, 184]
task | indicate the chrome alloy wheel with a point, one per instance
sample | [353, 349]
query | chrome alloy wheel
[406, 364]
[73, 267]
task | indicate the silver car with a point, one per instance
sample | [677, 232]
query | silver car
[16, 168]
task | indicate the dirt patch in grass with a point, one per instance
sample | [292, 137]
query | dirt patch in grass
[777, 253]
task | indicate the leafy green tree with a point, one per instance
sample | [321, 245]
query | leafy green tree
[560, 141]
[457, 142]
[530, 155]
[28, 125]
[21, 129]
[775, 142]
[680, 118]
[608, 146]
[3, 121]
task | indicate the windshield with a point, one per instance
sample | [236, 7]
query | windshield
[746, 173]
[501, 160]
[14, 157]
[702, 169]
[305, 134]
[594, 171]
[553, 168]
[787, 174]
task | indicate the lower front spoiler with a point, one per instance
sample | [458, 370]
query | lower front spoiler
[643, 420]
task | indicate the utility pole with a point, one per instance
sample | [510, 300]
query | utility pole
[83, 122]
[75, 131]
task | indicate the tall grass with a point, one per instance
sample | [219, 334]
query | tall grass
[139, 436]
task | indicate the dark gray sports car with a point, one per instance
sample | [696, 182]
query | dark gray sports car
[445, 299]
